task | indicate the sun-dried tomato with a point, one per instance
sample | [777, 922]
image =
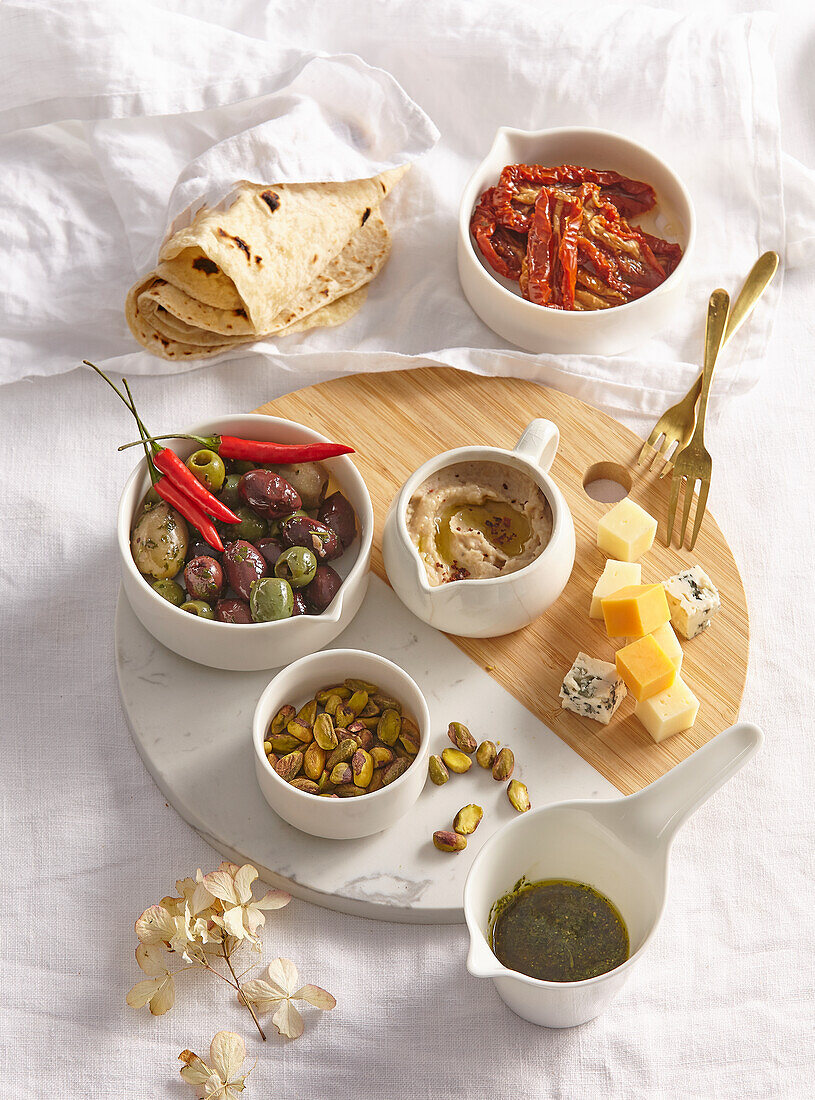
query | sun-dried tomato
[503, 249]
[562, 233]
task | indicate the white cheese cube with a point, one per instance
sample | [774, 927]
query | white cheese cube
[592, 688]
[616, 575]
[670, 712]
[693, 600]
[626, 532]
[664, 637]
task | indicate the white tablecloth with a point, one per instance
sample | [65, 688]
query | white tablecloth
[722, 1004]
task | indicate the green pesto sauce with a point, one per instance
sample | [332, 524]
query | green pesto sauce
[558, 931]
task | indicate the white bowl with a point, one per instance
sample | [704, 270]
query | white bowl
[340, 818]
[489, 607]
[498, 302]
[253, 646]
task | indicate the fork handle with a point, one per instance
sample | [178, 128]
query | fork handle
[760, 277]
[717, 313]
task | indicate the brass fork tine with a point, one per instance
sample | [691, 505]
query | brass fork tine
[690, 485]
[701, 504]
[672, 508]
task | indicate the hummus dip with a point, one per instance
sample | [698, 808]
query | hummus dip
[478, 520]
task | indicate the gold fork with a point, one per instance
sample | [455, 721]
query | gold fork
[676, 424]
[693, 463]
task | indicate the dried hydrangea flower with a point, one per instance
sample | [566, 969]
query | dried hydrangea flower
[219, 1079]
[276, 993]
[158, 990]
[242, 915]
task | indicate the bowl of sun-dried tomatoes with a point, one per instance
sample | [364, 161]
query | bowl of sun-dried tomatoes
[574, 240]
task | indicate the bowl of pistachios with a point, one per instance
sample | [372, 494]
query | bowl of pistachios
[341, 741]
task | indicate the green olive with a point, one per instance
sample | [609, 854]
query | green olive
[169, 590]
[270, 599]
[229, 491]
[297, 565]
[241, 466]
[251, 527]
[151, 499]
[209, 468]
[198, 607]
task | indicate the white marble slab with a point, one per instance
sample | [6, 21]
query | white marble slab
[192, 726]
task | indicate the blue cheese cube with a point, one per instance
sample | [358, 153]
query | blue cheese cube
[592, 688]
[693, 600]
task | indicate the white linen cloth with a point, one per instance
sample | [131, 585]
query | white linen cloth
[720, 1008]
[172, 106]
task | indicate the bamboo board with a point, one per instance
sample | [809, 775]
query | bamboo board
[396, 421]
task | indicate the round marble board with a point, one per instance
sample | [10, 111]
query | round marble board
[192, 724]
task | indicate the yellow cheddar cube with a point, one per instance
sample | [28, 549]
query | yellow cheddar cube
[616, 575]
[670, 712]
[626, 532]
[668, 640]
[635, 610]
[645, 667]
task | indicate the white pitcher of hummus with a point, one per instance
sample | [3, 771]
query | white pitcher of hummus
[479, 541]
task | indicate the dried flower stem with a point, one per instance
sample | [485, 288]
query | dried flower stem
[245, 1000]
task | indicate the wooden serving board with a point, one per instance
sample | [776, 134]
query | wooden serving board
[396, 421]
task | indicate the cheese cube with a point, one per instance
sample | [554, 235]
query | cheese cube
[616, 575]
[592, 688]
[645, 667]
[668, 641]
[635, 610]
[670, 712]
[693, 600]
[626, 532]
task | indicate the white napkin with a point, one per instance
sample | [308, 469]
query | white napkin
[174, 106]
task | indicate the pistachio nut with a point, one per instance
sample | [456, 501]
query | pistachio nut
[302, 783]
[336, 689]
[272, 757]
[518, 795]
[358, 702]
[362, 766]
[370, 722]
[342, 753]
[485, 754]
[362, 735]
[341, 774]
[282, 718]
[314, 761]
[324, 782]
[384, 702]
[329, 794]
[389, 726]
[267, 747]
[300, 729]
[381, 755]
[376, 781]
[504, 765]
[324, 734]
[361, 685]
[409, 739]
[393, 770]
[370, 710]
[349, 790]
[400, 750]
[331, 705]
[461, 737]
[343, 715]
[456, 760]
[288, 766]
[448, 841]
[284, 742]
[437, 771]
[308, 712]
[468, 819]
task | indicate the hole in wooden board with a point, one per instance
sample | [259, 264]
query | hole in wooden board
[607, 482]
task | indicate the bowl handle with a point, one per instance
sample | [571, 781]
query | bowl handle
[539, 443]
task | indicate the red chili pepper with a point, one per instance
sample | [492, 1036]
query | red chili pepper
[170, 492]
[258, 450]
[170, 464]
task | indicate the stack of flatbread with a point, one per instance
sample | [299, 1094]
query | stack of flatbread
[279, 260]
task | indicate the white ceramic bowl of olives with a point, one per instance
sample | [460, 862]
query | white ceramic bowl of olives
[241, 645]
